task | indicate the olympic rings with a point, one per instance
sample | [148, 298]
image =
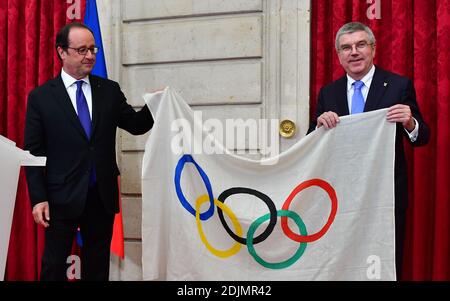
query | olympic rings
[288, 262]
[219, 253]
[273, 213]
[303, 238]
[185, 159]
[331, 193]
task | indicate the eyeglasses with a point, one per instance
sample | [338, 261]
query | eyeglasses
[360, 46]
[84, 50]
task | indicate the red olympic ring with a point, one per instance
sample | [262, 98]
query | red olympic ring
[284, 220]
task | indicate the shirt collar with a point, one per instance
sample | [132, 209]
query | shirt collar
[68, 80]
[367, 79]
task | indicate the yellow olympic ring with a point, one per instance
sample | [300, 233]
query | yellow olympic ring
[219, 253]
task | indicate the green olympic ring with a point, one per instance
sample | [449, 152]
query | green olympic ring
[279, 265]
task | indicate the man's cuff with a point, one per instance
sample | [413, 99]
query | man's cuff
[414, 133]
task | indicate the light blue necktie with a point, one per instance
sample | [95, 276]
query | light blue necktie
[85, 119]
[357, 99]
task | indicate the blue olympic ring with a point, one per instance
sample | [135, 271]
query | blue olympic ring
[179, 168]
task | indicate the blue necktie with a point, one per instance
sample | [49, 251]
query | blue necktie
[357, 99]
[85, 119]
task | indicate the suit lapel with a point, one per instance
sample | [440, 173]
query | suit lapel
[341, 95]
[95, 89]
[63, 99]
[377, 89]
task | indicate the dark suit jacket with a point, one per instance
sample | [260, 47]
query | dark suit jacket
[53, 130]
[386, 90]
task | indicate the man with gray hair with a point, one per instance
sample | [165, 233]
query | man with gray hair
[365, 88]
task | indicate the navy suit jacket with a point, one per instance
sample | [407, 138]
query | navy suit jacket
[52, 129]
[386, 90]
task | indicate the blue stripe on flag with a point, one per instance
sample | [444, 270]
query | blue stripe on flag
[91, 20]
[79, 240]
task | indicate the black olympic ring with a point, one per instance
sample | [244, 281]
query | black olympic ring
[273, 213]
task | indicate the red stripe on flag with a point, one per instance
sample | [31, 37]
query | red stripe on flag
[117, 242]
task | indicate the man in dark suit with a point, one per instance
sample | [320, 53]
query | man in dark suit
[365, 88]
[72, 120]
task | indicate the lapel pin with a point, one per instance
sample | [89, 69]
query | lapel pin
[385, 84]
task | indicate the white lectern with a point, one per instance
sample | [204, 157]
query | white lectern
[11, 158]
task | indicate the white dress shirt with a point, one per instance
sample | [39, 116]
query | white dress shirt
[367, 80]
[71, 87]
